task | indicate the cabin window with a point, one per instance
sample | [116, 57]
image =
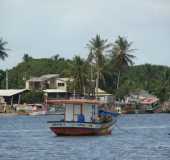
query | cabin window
[60, 84]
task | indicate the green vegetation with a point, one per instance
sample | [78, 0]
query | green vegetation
[97, 47]
[3, 50]
[32, 97]
[79, 72]
[108, 65]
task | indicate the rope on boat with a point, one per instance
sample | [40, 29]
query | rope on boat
[121, 129]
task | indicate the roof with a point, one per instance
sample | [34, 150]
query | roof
[74, 101]
[149, 101]
[65, 79]
[55, 91]
[44, 77]
[10, 92]
[102, 92]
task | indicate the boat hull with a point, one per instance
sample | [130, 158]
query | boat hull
[80, 129]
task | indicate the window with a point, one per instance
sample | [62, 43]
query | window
[60, 84]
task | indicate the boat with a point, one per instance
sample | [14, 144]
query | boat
[37, 113]
[83, 117]
[37, 110]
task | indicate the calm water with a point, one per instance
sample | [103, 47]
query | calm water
[137, 137]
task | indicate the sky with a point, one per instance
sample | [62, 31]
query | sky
[43, 28]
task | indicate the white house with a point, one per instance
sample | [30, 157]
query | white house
[104, 96]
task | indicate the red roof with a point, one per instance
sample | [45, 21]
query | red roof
[148, 101]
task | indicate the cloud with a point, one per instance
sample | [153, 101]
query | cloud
[43, 28]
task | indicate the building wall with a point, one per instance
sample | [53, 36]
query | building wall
[60, 86]
[106, 99]
[52, 83]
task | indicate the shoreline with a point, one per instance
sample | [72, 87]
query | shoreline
[8, 114]
[16, 114]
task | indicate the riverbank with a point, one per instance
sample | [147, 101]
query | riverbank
[8, 114]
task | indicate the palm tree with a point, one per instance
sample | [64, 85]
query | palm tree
[55, 57]
[97, 47]
[121, 55]
[78, 72]
[27, 57]
[3, 53]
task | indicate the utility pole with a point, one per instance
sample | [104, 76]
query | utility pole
[6, 79]
[91, 76]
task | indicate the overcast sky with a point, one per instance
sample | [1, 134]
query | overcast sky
[43, 28]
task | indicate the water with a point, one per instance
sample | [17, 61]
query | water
[136, 137]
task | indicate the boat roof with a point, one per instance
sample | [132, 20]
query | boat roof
[74, 101]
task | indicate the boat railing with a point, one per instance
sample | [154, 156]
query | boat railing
[71, 122]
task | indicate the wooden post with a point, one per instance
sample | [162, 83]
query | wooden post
[12, 101]
[81, 109]
[73, 113]
[65, 113]
[19, 99]
[45, 102]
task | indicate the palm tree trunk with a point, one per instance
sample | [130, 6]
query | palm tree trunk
[118, 80]
[97, 83]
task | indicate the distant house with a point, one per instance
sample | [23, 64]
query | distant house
[60, 90]
[143, 101]
[43, 82]
[51, 84]
[61, 83]
[56, 93]
[10, 97]
[56, 87]
[104, 96]
[48, 81]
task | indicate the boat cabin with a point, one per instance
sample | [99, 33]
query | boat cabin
[78, 110]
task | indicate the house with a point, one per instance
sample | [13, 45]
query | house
[56, 87]
[48, 81]
[43, 82]
[61, 83]
[56, 93]
[10, 97]
[104, 96]
[60, 91]
[142, 101]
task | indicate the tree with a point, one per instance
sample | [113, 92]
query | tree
[3, 53]
[97, 47]
[55, 57]
[79, 74]
[2, 78]
[26, 57]
[121, 55]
